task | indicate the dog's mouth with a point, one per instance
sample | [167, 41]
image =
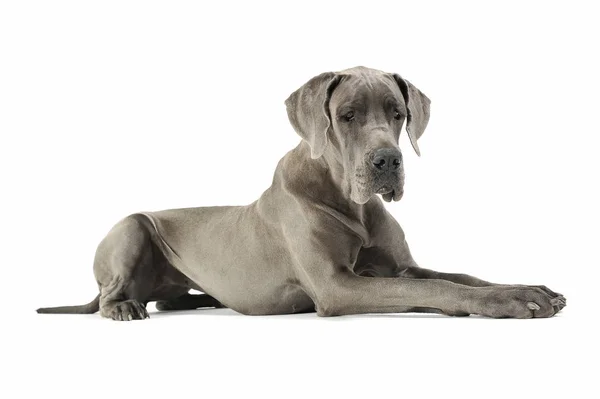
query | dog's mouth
[384, 190]
[390, 186]
[390, 193]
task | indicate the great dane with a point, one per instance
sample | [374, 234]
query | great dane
[319, 239]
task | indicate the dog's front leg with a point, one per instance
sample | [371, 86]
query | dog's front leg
[345, 293]
[391, 247]
[465, 279]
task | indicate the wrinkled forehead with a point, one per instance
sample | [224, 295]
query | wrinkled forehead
[366, 91]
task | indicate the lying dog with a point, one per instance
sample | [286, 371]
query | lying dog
[318, 239]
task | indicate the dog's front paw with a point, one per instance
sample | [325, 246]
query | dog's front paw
[562, 300]
[520, 302]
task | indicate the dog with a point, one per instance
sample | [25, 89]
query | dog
[319, 239]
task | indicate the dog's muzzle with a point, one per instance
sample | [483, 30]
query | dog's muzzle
[387, 168]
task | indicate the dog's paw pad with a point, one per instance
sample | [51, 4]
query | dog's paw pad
[533, 306]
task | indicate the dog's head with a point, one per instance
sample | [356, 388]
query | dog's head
[356, 116]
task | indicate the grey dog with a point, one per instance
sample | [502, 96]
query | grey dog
[319, 239]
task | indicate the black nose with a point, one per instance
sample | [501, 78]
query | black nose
[387, 159]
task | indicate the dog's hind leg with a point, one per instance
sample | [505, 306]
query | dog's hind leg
[189, 302]
[125, 272]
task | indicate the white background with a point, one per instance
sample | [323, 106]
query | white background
[107, 108]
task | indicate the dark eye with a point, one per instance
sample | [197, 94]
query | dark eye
[349, 116]
[397, 115]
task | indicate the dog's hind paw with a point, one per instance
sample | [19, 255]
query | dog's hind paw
[129, 310]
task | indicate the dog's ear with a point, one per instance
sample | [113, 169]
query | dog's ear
[308, 111]
[417, 105]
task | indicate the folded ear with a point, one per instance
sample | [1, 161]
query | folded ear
[308, 111]
[417, 105]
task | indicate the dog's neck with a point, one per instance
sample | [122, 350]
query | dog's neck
[324, 179]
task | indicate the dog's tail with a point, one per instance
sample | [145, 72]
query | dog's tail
[89, 308]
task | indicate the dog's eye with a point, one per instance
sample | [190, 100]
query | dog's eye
[397, 115]
[349, 116]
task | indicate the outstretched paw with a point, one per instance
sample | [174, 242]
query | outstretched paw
[557, 300]
[522, 302]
